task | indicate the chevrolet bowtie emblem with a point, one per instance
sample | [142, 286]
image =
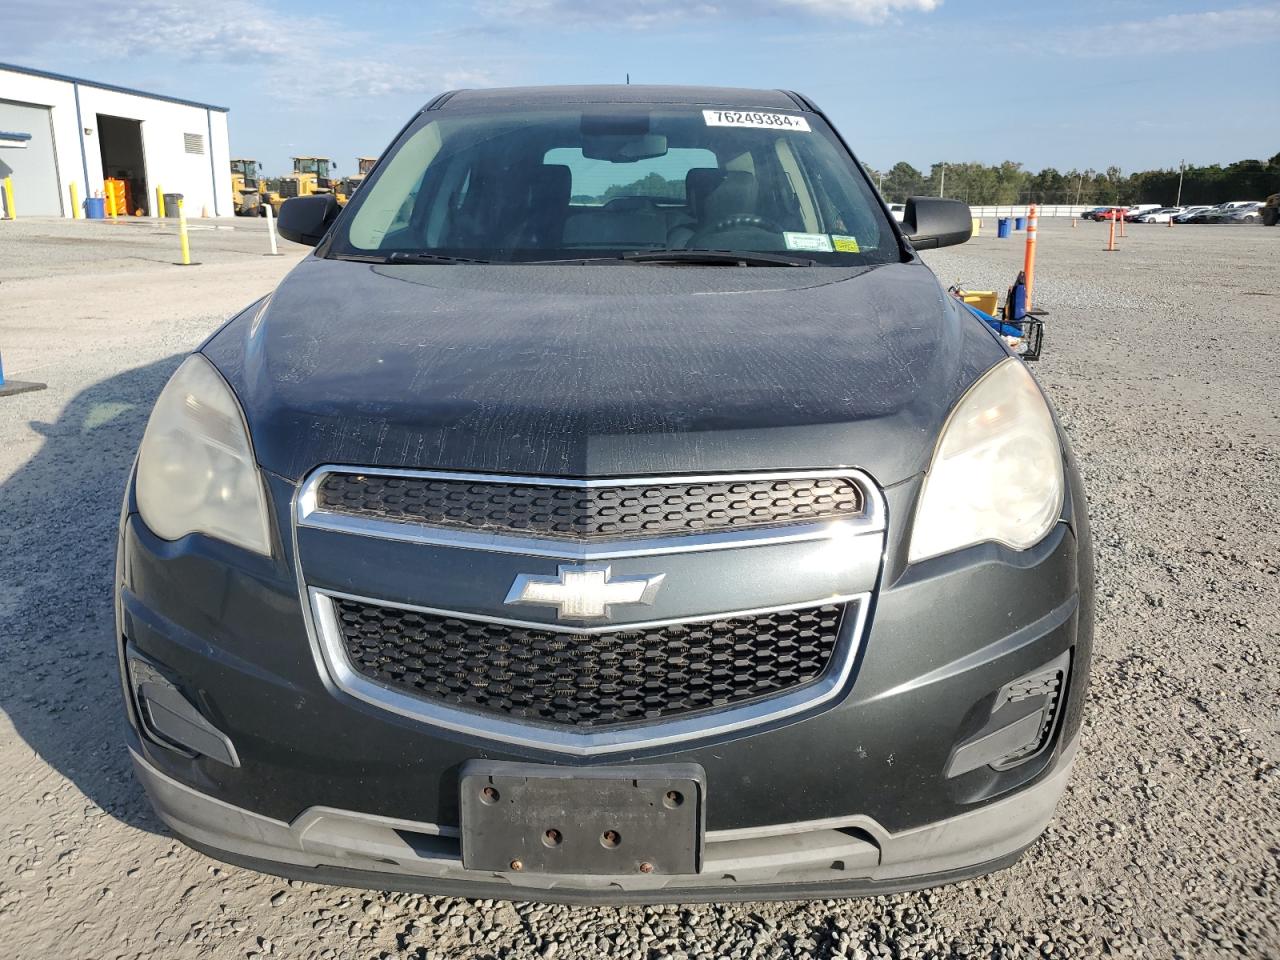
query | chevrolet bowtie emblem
[583, 592]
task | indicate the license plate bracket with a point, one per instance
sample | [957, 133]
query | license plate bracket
[594, 821]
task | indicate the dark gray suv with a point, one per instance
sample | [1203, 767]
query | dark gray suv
[615, 508]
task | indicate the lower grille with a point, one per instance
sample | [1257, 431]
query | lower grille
[592, 681]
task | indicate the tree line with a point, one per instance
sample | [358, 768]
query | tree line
[983, 184]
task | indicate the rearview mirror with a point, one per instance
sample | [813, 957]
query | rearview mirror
[931, 222]
[306, 219]
[623, 148]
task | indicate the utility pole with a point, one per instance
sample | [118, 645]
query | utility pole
[1182, 166]
[943, 181]
[1079, 187]
[880, 185]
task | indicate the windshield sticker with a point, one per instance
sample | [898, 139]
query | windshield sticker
[813, 242]
[745, 118]
[845, 244]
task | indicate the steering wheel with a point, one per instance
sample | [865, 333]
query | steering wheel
[741, 220]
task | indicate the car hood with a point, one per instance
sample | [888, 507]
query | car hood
[601, 370]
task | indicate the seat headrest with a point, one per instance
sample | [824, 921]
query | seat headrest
[551, 181]
[736, 194]
[698, 184]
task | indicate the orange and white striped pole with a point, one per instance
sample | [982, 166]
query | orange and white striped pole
[1111, 240]
[1029, 262]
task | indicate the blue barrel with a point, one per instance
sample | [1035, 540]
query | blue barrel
[1002, 227]
[95, 208]
[1019, 223]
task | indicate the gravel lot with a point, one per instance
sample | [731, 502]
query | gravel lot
[1164, 362]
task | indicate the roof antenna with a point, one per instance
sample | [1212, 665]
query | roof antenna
[628, 79]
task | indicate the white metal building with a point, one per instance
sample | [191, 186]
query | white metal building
[57, 130]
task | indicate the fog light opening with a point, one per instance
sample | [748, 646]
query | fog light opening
[169, 719]
[1023, 718]
[1046, 685]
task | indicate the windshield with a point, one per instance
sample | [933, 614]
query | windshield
[609, 180]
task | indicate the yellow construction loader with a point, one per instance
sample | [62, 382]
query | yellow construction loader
[352, 183]
[246, 188]
[311, 175]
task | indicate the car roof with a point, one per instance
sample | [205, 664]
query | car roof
[498, 97]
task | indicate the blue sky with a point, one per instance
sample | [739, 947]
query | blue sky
[1137, 83]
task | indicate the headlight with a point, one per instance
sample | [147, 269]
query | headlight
[196, 472]
[997, 470]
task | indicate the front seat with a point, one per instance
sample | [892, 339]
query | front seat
[549, 188]
[698, 185]
[736, 195]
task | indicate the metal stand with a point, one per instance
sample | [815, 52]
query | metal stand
[10, 388]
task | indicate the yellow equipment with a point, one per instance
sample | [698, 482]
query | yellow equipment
[311, 175]
[246, 189]
[985, 300]
[117, 196]
[352, 183]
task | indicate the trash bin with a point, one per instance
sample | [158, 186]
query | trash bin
[1002, 227]
[171, 205]
[95, 208]
[1019, 223]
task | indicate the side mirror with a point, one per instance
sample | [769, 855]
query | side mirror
[306, 219]
[931, 222]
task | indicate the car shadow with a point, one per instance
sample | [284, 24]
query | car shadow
[59, 514]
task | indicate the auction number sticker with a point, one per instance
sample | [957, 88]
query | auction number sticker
[747, 118]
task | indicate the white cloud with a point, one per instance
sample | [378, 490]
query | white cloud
[1175, 33]
[867, 11]
[655, 13]
[291, 58]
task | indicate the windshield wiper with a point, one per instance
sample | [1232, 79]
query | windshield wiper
[403, 256]
[727, 258]
[409, 256]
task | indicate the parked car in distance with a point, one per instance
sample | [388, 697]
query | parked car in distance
[1249, 213]
[1162, 215]
[514, 545]
[898, 210]
[1220, 213]
[1189, 214]
[1111, 213]
[1092, 213]
[1138, 209]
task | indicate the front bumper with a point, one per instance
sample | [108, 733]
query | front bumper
[862, 796]
[849, 856]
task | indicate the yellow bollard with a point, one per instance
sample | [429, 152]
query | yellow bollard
[160, 211]
[8, 199]
[182, 236]
[76, 212]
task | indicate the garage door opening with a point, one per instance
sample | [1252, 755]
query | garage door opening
[121, 142]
